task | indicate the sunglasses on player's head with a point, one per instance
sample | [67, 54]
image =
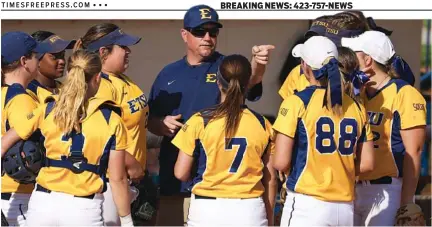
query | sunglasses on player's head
[201, 32]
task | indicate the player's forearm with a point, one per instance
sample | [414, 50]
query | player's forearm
[8, 140]
[270, 200]
[270, 188]
[133, 167]
[120, 192]
[411, 172]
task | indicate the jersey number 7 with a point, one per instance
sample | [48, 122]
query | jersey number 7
[324, 141]
[242, 144]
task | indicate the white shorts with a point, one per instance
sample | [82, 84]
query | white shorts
[14, 207]
[305, 210]
[377, 204]
[61, 209]
[224, 212]
[109, 209]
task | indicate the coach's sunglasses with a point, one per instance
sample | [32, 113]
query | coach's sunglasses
[201, 32]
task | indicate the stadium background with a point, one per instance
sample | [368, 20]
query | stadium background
[161, 44]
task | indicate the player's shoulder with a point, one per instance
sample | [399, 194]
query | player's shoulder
[304, 96]
[109, 109]
[258, 117]
[15, 92]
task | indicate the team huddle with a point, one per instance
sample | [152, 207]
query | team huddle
[346, 142]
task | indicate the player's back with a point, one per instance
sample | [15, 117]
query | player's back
[76, 163]
[232, 168]
[323, 159]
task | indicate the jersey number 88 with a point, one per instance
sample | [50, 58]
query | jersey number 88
[324, 141]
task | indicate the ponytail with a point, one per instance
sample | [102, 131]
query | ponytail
[233, 76]
[330, 76]
[70, 109]
[78, 45]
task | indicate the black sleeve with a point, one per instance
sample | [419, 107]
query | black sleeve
[255, 93]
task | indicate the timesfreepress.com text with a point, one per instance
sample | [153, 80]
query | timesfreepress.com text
[44, 5]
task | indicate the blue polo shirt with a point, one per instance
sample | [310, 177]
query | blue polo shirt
[181, 88]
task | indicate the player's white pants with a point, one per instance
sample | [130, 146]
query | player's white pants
[223, 212]
[305, 210]
[377, 204]
[15, 208]
[61, 209]
[109, 209]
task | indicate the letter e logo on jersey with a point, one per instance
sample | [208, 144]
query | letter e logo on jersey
[211, 78]
[205, 14]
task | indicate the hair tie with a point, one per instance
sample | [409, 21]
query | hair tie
[331, 70]
[358, 79]
[403, 69]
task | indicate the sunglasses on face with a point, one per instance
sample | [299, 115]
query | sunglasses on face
[201, 32]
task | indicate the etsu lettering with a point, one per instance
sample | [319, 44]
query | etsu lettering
[137, 104]
[375, 118]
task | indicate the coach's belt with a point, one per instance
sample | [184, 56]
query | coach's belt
[42, 189]
[6, 196]
[382, 180]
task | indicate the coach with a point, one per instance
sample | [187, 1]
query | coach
[183, 88]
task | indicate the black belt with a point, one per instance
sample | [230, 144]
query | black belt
[382, 180]
[42, 189]
[203, 197]
[6, 196]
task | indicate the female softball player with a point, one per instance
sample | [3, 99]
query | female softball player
[334, 27]
[51, 65]
[19, 67]
[112, 45]
[234, 183]
[397, 117]
[320, 130]
[83, 137]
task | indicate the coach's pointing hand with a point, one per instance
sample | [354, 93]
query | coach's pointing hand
[261, 53]
[171, 124]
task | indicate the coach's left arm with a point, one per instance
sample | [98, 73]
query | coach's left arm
[260, 58]
[413, 140]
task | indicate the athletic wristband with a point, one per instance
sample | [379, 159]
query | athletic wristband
[126, 221]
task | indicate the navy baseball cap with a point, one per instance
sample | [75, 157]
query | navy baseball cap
[117, 37]
[200, 14]
[57, 44]
[14, 45]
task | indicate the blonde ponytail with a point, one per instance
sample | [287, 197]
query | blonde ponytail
[70, 109]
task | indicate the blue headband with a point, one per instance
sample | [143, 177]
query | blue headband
[222, 80]
[335, 35]
[358, 79]
[331, 70]
[117, 37]
[403, 69]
